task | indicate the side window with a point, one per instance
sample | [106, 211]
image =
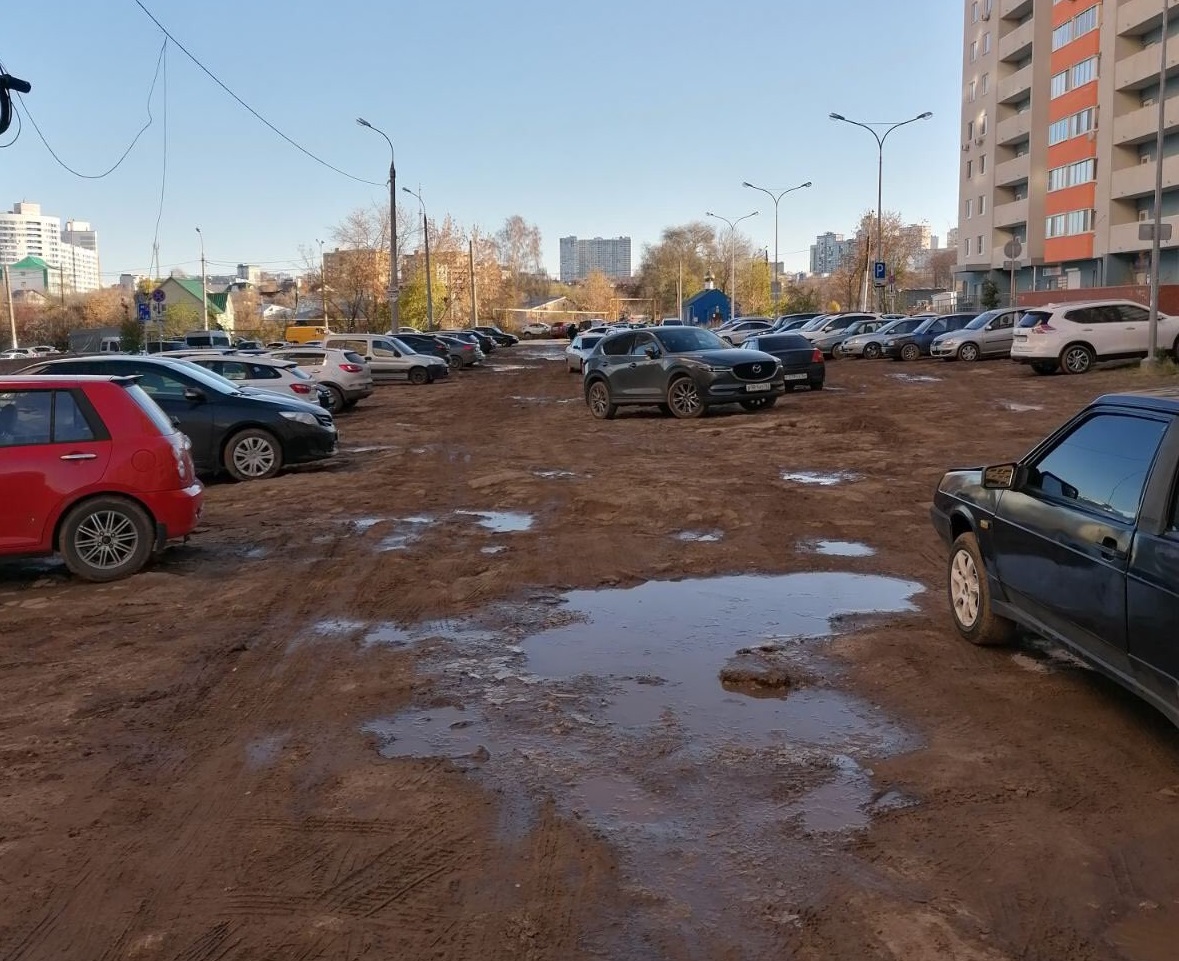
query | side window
[263, 372]
[641, 343]
[937, 327]
[307, 360]
[69, 423]
[617, 346]
[160, 384]
[1005, 322]
[233, 370]
[1102, 465]
[1130, 314]
[25, 417]
[382, 348]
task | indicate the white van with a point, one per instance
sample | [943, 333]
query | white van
[389, 359]
[208, 338]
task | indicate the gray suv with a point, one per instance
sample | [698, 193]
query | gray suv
[989, 335]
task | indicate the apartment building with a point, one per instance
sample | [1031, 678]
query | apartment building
[71, 254]
[828, 252]
[580, 257]
[1059, 119]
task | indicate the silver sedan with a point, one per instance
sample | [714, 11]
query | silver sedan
[578, 350]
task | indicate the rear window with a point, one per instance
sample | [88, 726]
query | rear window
[1033, 317]
[151, 408]
[588, 342]
[783, 342]
[353, 358]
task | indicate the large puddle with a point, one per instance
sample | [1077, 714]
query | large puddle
[695, 724]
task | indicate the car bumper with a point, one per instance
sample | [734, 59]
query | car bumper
[1030, 355]
[309, 444]
[357, 393]
[176, 512]
[944, 350]
[730, 390]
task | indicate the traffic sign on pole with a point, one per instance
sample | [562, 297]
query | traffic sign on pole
[143, 311]
[879, 271]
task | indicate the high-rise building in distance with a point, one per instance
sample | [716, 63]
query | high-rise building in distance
[71, 254]
[828, 252]
[581, 257]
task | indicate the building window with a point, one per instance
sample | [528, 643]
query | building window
[986, 82]
[1084, 72]
[987, 42]
[982, 126]
[1059, 84]
[1062, 35]
[973, 51]
[1058, 131]
[982, 204]
[1067, 225]
[967, 246]
[1070, 175]
[1083, 121]
[971, 95]
[969, 208]
[969, 129]
[969, 169]
[1085, 22]
[982, 165]
[978, 243]
[974, 12]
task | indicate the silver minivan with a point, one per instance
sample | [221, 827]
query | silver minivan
[389, 359]
[990, 334]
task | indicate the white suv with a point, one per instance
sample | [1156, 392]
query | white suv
[1073, 337]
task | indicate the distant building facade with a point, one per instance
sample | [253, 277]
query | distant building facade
[581, 257]
[71, 254]
[829, 251]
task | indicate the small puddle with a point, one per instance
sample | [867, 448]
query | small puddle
[507, 368]
[819, 478]
[493, 549]
[837, 548]
[701, 537]
[1018, 407]
[363, 524]
[554, 474]
[501, 522]
[438, 732]
[369, 449]
[407, 532]
[915, 378]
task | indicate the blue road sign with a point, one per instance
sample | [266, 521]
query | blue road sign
[879, 271]
[143, 311]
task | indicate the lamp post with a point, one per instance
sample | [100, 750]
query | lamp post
[323, 283]
[880, 138]
[8, 297]
[394, 288]
[1156, 233]
[429, 277]
[776, 284]
[733, 256]
[204, 288]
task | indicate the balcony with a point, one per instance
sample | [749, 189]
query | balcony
[1016, 87]
[1141, 125]
[1010, 214]
[1014, 9]
[1014, 171]
[1123, 238]
[1138, 180]
[1140, 16]
[1017, 45]
[1014, 129]
[1142, 69]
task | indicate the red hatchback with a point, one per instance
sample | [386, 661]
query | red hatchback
[92, 468]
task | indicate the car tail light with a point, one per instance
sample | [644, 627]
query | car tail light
[300, 388]
[351, 368]
[816, 356]
[1043, 329]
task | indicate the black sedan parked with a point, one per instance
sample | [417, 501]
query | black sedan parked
[486, 344]
[501, 338]
[427, 344]
[681, 370]
[802, 362]
[250, 435]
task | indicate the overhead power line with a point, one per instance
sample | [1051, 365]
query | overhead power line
[209, 73]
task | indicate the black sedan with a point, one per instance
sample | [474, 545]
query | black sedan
[802, 362]
[681, 370]
[501, 338]
[486, 344]
[427, 344]
[249, 434]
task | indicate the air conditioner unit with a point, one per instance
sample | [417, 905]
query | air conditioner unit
[1143, 216]
[1144, 160]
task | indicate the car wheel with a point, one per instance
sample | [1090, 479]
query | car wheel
[1045, 367]
[970, 596]
[597, 396]
[455, 363]
[419, 376]
[683, 397]
[759, 403]
[106, 538]
[1175, 349]
[1076, 359]
[968, 353]
[871, 351]
[338, 401]
[253, 454]
[910, 352]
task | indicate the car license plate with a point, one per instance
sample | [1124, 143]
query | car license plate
[796, 377]
[756, 388]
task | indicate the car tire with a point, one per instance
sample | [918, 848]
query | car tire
[597, 398]
[758, 403]
[968, 353]
[910, 352]
[339, 402]
[834, 355]
[1044, 367]
[970, 596]
[665, 410]
[728, 340]
[106, 538]
[1175, 347]
[454, 363]
[419, 376]
[871, 351]
[683, 397]
[253, 454]
[1076, 359]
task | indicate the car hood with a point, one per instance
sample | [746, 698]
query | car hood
[728, 357]
[279, 401]
[966, 484]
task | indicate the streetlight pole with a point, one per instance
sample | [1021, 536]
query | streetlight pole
[323, 282]
[429, 277]
[1156, 238]
[880, 138]
[776, 286]
[733, 256]
[394, 287]
[204, 287]
[8, 296]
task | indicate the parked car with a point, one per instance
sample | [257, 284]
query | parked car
[17, 353]
[735, 332]
[483, 341]
[164, 346]
[207, 338]
[823, 327]
[868, 345]
[1074, 337]
[501, 338]
[988, 335]
[343, 373]
[1076, 542]
[535, 331]
[671, 322]
[913, 346]
[802, 362]
[260, 373]
[579, 349]
[829, 341]
[791, 322]
[389, 359]
[429, 344]
[462, 352]
[93, 469]
[682, 370]
[249, 435]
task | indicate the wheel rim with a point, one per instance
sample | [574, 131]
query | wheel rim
[106, 540]
[910, 352]
[599, 400]
[964, 589]
[1076, 361]
[969, 352]
[871, 351]
[685, 398]
[253, 456]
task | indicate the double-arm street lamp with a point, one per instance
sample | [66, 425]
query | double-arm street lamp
[776, 286]
[733, 255]
[394, 288]
[880, 138]
[429, 278]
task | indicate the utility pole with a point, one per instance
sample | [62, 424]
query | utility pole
[11, 315]
[1157, 233]
[204, 286]
[323, 283]
[429, 275]
[474, 296]
[394, 286]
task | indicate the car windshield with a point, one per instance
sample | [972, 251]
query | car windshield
[682, 340]
[400, 345]
[982, 320]
[814, 322]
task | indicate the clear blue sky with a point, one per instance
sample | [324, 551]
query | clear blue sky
[599, 118]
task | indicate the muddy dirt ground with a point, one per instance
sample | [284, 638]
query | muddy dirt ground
[683, 690]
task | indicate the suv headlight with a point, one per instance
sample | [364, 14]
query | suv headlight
[300, 417]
